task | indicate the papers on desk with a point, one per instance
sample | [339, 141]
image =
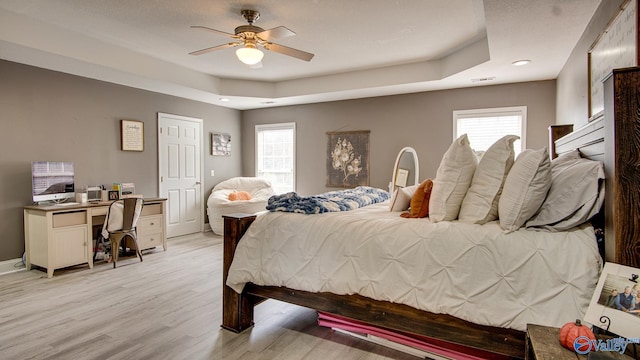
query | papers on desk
[68, 204]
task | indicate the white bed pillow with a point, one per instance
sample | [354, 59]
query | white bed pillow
[452, 180]
[401, 198]
[576, 194]
[525, 188]
[480, 204]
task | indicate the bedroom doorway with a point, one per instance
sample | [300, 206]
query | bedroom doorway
[180, 172]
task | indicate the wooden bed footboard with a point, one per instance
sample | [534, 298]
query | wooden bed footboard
[238, 309]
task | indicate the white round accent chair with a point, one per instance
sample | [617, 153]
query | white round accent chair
[218, 204]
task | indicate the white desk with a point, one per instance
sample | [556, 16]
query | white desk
[59, 236]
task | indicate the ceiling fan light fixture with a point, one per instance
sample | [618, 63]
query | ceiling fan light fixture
[249, 55]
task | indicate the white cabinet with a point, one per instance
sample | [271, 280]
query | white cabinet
[57, 239]
[150, 232]
[151, 227]
[71, 246]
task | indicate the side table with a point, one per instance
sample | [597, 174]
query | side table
[542, 343]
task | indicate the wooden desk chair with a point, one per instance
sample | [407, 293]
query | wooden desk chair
[130, 210]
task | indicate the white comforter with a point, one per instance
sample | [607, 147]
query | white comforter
[473, 272]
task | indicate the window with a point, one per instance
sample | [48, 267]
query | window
[275, 155]
[485, 126]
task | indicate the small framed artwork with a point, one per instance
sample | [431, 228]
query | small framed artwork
[131, 135]
[114, 195]
[220, 144]
[401, 177]
[613, 306]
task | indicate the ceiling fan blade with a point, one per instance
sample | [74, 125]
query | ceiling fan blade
[275, 33]
[213, 30]
[285, 50]
[214, 48]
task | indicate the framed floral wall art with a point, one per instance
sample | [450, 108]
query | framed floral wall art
[348, 159]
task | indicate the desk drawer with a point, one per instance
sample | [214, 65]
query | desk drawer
[149, 225]
[150, 241]
[97, 211]
[152, 209]
[69, 219]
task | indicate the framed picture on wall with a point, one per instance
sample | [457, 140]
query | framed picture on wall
[131, 135]
[615, 48]
[220, 144]
[348, 159]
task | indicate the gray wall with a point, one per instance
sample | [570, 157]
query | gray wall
[421, 120]
[49, 115]
[572, 83]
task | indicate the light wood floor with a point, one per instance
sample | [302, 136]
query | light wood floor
[166, 307]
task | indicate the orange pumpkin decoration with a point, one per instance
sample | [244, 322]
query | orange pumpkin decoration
[239, 195]
[571, 331]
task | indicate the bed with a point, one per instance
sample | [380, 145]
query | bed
[421, 309]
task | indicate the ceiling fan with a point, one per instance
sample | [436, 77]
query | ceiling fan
[250, 37]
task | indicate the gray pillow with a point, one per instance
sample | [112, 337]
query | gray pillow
[567, 157]
[576, 194]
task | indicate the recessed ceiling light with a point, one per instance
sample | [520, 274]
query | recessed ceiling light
[224, 99]
[520, 62]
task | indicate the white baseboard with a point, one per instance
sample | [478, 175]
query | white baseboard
[9, 266]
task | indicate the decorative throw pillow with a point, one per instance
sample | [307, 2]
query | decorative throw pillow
[239, 195]
[420, 201]
[452, 180]
[525, 188]
[401, 198]
[576, 194]
[480, 204]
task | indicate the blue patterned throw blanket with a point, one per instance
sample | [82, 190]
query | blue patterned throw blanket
[332, 201]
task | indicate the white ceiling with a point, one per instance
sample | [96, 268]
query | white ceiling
[362, 47]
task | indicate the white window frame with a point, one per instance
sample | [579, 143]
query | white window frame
[278, 126]
[493, 112]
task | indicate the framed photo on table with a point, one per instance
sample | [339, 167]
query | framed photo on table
[401, 177]
[611, 307]
[114, 195]
[132, 135]
[615, 48]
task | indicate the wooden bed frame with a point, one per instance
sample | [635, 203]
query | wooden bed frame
[613, 139]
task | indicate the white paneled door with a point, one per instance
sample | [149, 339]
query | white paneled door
[180, 157]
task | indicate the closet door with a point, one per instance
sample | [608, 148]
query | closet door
[180, 162]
